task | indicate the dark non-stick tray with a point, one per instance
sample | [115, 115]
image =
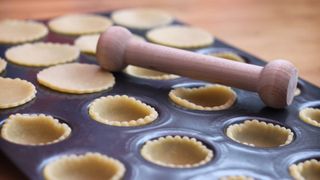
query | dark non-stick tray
[124, 143]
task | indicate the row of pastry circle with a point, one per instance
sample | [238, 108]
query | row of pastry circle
[56, 53]
[71, 79]
[188, 151]
[88, 44]
[80, 78]
[17, 31]
[77, 24]
[40, 129]
[106, 167]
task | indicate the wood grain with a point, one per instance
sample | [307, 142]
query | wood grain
[269, 29]
[275, 83]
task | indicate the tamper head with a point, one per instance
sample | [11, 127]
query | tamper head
[277, 83]
[111, 48]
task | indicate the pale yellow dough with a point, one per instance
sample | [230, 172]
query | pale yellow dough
[228, 55]
[141, 18]
[307, 170]
[88, 43]
[15, 92]
[87, 166]
[310, 116]
[176, 152]
[20, 31]
[148, 73]
[206, 98]
[79, 24]
[122, 111]
[76, 78]
[297, 92]
[3, 65]
[42, 54]
[180, 36]
[260, 134]
[34, 129]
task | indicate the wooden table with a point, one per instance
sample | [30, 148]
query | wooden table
[269, 29]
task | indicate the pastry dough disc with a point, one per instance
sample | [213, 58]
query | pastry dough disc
[206, 98]
[3, 65]
[176, 152]
[310, 116]
[42, 54]
[93, 166]
[260, 134]
[180, 36]
[76, 78]
[297, 91]
[19, 31]
[306, 170]
[141, 18]
[228, 55]
[148, 73]
[78, 24]
[121, 111]
[15, 92]
[34, 129]
[88, 43]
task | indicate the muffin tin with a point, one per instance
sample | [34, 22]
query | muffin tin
[124, 143]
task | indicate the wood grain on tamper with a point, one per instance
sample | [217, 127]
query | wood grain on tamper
[275, 83]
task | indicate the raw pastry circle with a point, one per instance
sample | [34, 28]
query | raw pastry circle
[82, 167]
[122, 111]
[309, 169]
[42, 54]
[297, 91]
[229, 56]
[176, 152]
[20, 31]
[78, 24]
[88, 43]
[310, 116]
[180, 36]
[141, 18]
[207, 98]
[15, 92]
[260, 134]
[148, 73]
[34, 129]
[236, 178]
[3, 65]
[76, 78]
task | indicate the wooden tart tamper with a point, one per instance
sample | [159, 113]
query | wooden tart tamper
[275, 83]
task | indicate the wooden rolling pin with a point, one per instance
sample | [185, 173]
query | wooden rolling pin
[275, 83]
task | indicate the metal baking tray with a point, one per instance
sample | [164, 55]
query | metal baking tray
[124, 143]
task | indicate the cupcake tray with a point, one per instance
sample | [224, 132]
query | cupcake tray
[124, 143]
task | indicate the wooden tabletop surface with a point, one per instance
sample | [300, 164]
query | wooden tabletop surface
[269, 29]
